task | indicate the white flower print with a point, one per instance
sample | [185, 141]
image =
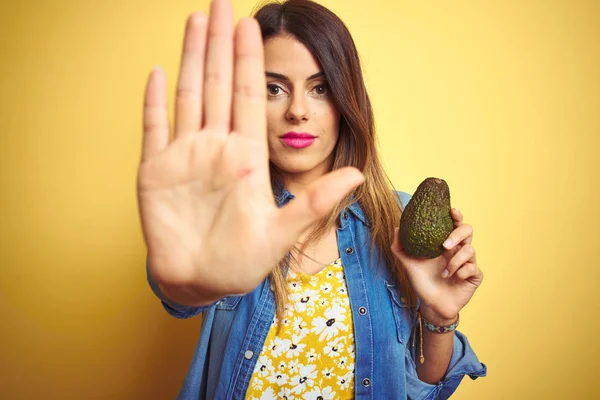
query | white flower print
[279, 378]
[292, 366]
[328, 373]
[285, 393]
[350, 367]
[257, 384]
[278, 345]
[342, 362]
[326, 288]
[305, 299]
[342, 303]
[268, 394]
[331, 324]
[325, 394]
[289, 312]
[300, 327]
[305, 377]
[312, 356]
[344, 381]
[333, 348]
[296, 347]
[264, 366]
[351, 349]
[294, 282]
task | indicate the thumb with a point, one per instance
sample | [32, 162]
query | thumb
[405, 259]
[397, 247]
[315, 202]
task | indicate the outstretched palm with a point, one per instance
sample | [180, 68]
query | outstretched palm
[207, 210]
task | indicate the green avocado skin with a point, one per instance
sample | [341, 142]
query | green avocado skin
[426, 221]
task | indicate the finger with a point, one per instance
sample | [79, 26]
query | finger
[188, 118]
[218, 74]
[396, 244]
[464, 255]
[470, 272]
[462, 234]
[249, 97]
[457, 217]
[156, 119]
[316, 201]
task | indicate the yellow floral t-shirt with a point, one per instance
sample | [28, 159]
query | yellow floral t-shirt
[311, 356]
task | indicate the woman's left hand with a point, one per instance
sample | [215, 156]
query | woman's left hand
[444, 284]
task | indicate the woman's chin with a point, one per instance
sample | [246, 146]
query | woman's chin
[296, 168]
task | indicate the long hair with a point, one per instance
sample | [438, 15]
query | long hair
[329, 40]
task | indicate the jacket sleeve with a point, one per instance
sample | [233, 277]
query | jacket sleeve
[463, 362]
[403, 198]
[174, 309]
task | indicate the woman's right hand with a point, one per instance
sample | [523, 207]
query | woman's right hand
[207, 210]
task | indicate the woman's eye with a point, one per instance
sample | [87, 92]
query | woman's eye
[321, 90]
[273, 90]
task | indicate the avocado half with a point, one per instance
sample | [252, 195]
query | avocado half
[426, 221]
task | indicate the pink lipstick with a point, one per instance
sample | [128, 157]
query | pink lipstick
[298, 140]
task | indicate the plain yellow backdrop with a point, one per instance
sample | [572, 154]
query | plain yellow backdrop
[501, 98]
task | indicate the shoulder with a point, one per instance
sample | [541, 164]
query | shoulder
[402, 197]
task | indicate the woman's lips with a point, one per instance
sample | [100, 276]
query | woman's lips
[298, 143]
[298, 140]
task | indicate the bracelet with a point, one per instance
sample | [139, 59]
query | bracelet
[433, 328]
[440, 329]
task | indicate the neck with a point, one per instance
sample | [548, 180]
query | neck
[297, 182]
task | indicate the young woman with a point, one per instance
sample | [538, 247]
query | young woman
[269, 213]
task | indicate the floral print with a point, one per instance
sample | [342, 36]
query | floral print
[311, 355]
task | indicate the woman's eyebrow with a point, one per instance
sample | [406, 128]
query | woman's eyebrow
[285, 78]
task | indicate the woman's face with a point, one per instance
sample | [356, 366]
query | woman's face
[302, 121]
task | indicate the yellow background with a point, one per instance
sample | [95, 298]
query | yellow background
[500, 98]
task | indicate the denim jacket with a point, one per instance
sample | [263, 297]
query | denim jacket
[234, 330]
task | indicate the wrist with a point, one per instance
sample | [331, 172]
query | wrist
[437, 318]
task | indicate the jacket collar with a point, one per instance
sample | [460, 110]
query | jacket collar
[356, 209]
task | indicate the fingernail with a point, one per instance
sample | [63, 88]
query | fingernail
[445, 273]
[448, 243]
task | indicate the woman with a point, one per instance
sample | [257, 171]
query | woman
[281, 230]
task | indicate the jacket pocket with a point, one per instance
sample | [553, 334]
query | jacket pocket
[402, 312]
[228, 303]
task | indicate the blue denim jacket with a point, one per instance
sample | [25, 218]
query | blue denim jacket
[234, 330]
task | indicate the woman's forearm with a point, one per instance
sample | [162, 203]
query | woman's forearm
[437, 352]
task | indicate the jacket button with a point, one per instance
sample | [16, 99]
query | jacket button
[345, 215]
[248, 354]
[349, 250]
[366, 382]
[362, 310]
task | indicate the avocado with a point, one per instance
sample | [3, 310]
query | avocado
[426, 221]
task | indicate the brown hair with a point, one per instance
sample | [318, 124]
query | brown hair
[329, 40]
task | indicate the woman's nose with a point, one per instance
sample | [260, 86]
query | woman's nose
[298, 109]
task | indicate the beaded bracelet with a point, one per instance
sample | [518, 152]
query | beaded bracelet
[440, 329]
[433, 328]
